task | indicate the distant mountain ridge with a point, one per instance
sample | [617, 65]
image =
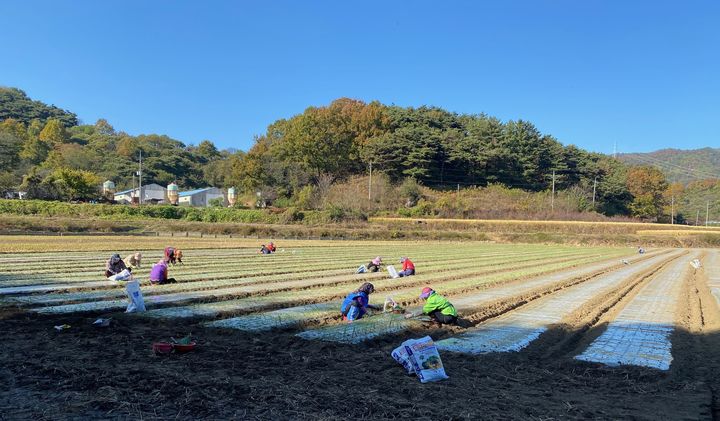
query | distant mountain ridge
[680, 166]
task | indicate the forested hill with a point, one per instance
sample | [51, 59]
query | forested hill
[16, 105]
[44, 152]
[680, 166]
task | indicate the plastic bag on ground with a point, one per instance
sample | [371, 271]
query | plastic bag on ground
[137, 303]
[400, 355]
[425, 359]
[125, 275]
[393, 273]
[361, 269]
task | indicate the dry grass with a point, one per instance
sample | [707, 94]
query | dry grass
[42, 243]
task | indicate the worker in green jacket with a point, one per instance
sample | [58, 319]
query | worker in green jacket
[437, 307]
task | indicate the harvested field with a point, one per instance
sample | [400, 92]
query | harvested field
[546, 332]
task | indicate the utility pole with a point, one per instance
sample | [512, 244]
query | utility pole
[140, 198]
[707, 212]
[552, 200]
[672, 210]
[697, 217]
[458, 191]
[370, 183]
[594, 189]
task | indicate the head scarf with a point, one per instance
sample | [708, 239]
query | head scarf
[367, 288]
[426, 292]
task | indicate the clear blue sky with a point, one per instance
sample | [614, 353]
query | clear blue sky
[645, 74]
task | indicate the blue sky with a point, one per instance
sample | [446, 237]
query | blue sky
[644, 74]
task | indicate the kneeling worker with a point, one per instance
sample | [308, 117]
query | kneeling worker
[159, 273]
[437, 307]
[357, 302]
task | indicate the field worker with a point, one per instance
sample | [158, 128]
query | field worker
[408, 268]
[437, 307]
[374, 264]
[357, 302]
[114, 266]
[271, 247]
[159, 273]
[178, 257]
[133, 260]
[264, 249]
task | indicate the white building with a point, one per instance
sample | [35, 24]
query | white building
[200, 197]
[151, 193]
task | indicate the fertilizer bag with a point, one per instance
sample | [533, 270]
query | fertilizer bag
[136, 304]
[425, 359]
[393, 273]
[400, 355]
[125, 275]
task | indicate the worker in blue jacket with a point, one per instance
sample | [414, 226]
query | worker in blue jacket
[355, 305]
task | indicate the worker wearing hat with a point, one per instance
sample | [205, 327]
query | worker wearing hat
[114, 265]
[408, 267]
[437, 307]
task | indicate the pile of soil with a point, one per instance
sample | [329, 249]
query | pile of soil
[111, 373]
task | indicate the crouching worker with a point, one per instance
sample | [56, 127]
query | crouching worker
[374, 264]
[159, 273]
[133, 260]
[264, 249]
[437, 307]
[114, 265]
[357, 302]
[173, 255]
[408, 268]
[271, 247]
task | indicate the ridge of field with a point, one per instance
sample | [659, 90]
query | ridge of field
[712, 270]
[365, 329]
[295, 316]
[515, 330]
[640, 333]
[20, 283]
[15, 244]
[254, 261]
[403, 295]
[289, 280]
[264, 289]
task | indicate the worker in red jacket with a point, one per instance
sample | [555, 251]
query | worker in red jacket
[408, 268]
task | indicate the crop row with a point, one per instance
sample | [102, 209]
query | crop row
[291, 281]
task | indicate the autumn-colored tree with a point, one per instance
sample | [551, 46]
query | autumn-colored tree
[647, 185]
[54, 133]
[75, 184]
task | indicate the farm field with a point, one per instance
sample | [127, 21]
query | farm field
[546, 331]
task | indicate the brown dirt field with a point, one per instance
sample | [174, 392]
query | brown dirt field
[111, 373]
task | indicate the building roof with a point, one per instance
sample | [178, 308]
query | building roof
[193, 192]
[145, 186]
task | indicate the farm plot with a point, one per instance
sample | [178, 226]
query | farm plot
[640, 334]
[223, 266]
[466, 304]
[400, 289]
[301, 286]
[515, 330]
[300, 279]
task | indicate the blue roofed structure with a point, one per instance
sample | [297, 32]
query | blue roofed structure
[200, 197]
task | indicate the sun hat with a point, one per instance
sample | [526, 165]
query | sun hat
[403, 259]
[426, 292]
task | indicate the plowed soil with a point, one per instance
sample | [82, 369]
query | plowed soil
[111, 373]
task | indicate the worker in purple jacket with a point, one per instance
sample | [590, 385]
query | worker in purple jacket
[159, 273]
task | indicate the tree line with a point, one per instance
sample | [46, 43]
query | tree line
[44, 151]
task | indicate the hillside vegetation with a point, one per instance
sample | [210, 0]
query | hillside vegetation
[425, 161]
